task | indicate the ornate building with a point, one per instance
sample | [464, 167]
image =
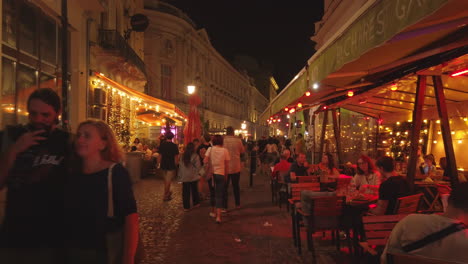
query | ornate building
[178, 54]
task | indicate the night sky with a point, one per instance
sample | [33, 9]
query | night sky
[273, 32]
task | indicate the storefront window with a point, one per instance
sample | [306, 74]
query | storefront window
[48, 41]
[9, 29]
[26, 85]
[28, 30]
[7, 94]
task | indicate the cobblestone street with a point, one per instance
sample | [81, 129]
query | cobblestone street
[256, 233]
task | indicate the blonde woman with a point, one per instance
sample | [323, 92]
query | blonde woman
[87, 217]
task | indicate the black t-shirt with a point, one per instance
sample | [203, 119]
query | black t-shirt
[297, 169]
[391, 189]
[87, 202]
[34, 208]
[168, 151]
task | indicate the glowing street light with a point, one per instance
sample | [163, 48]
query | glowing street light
[191, 89]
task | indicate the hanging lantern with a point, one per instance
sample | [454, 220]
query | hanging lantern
[350, 94]
[299, 105]
[307, 94]
[393, 87]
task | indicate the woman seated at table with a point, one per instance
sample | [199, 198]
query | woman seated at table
[327, 171]
[367, 173]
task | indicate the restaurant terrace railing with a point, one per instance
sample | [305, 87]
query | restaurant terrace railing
[112, 40]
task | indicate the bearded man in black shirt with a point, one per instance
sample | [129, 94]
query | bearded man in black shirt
[33, 167]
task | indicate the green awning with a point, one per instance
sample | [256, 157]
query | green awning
[377, 25]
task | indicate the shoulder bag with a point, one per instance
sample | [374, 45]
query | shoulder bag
[115, 240]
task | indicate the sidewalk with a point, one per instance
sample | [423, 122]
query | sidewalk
[256, 233]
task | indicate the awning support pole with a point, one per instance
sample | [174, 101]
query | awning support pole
[445, 129]
[313, 138]
[322, 138]
[336, 129]
[417, 123]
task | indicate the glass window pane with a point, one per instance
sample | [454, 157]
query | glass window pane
[47, 81]
[7, 94]
[28, 29]
[26, 85]
[8, 19]
[48, 41]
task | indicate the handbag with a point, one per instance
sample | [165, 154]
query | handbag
[115, 239]
[208, 166]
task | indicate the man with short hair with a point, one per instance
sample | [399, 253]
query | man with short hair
[392, 187]
[33, 166]
[298, 168]
[449, 246]
[282, 167]
[235, 147]
[168, 159]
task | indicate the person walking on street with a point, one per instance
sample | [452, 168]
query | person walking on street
[235, 148]
[217, 157]
[168, 160]
[189, 167]
[101, 214]
[33, 167]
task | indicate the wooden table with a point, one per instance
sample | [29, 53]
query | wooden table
[431, 188]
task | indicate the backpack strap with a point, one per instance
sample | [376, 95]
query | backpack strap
[110, 199]
[453, 228]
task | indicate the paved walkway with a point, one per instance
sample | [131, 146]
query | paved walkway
[256, 233]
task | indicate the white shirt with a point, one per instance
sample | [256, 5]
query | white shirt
[371, 179]
[417, 226]
[220, 155]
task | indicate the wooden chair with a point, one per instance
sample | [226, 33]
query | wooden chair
[304, 179]
[408, 204]
[294, 201]
[296, 188]
[393, 258]
[281, 188]
[325, 215]
[377, 230]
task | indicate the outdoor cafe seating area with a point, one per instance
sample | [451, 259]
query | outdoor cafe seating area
[342, 214]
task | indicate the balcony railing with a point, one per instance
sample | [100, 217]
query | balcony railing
[112, 40]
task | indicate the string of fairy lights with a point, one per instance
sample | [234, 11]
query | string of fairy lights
[120, 109]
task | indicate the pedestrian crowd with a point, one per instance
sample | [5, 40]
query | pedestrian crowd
[70, 199]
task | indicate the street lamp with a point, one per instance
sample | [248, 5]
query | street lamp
[244, 126]
[191, 89]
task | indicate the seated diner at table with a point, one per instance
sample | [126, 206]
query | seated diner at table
[428, 168]
[327, 171]
[298, 168]
[392, 187]
[411, 230]
[367, 173]
[282, 168]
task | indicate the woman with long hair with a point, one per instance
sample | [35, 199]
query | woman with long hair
[328, 172]
[367, 173]
[217, 157]
[98, 180]
[189, 167]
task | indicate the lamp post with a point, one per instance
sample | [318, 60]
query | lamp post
[192, 127]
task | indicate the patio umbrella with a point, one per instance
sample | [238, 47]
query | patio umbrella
[192, 129]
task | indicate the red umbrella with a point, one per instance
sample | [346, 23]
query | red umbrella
[192, 129]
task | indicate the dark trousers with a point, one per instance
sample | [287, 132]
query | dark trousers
[219, 190]
[212, 192]
[234, 177]
[188, 187]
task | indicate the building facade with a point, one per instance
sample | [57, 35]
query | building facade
[178, 54]
[336, 14]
